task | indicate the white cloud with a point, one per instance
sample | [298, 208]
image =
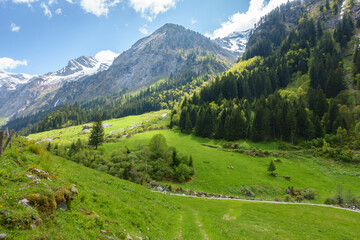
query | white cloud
[193, 21]
[243, 21]
[149, 9]
[51, 2]
[47, 11]
[98, 7]
[24, 1]
[58, 11]
[144, 30]
[70, 1]
[14, 27]
[9, 63]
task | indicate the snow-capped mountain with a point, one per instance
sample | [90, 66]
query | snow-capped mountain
[37, 91]
[80, 67]
[235, 42]
[11, 80]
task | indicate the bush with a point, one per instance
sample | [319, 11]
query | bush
[329, 201]
[299, 199]
[183, 173]
[287, 198]
[35, 148]
[308, 194]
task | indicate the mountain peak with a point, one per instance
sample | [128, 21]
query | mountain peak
[171, 26]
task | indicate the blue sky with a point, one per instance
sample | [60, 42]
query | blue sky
[40, 36]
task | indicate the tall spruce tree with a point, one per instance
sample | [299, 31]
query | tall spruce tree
[97, 133]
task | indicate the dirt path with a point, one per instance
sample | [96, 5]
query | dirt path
[200, 225]
[180, 233]
[262, 201]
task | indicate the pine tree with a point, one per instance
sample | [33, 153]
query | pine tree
[188, 124]
[97, 133]
[78, 145]
[271, 167]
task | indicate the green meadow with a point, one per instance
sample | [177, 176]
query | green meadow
[119, 208]
[213, 175]
[70, 134]
[212, 172]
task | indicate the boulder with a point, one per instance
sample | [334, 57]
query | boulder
[25, 202]
[42, 174]
[106, 125]
[33, 177]
[74, 191]
[85, 131]
[87, 127]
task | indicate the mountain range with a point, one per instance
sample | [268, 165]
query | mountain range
[25, 94]
[170, 50]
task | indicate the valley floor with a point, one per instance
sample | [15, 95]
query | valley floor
[126, 208]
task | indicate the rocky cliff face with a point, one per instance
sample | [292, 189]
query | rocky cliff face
[171, 49]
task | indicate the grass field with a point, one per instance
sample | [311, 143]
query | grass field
[70, 134]
[122, 208]
[212, 172]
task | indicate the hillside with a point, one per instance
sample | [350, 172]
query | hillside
[213, 174]
[107, 207]
[296, 86]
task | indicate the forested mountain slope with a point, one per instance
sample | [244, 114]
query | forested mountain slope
[295, 89]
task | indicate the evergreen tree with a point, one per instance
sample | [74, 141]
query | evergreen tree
[97, 133]
[271, 167]
[78, 145]
[188, 124]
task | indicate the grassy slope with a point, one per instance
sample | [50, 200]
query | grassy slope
[213, 174]
[124, 207]
[69, 134]
[306, 172]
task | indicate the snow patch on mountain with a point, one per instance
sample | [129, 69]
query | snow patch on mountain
[75, 69]
[235, 42]
[81, 67]
[11, 80]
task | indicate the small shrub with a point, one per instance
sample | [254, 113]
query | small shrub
[329, 201]
[35, 148]
[287, 198]
[309, 194]
[299, 199]
[45, 203]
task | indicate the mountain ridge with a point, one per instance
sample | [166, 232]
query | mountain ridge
[170, 50]
[34, 90]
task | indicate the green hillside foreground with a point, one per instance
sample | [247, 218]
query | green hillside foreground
[212, 172]
[117, 208]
